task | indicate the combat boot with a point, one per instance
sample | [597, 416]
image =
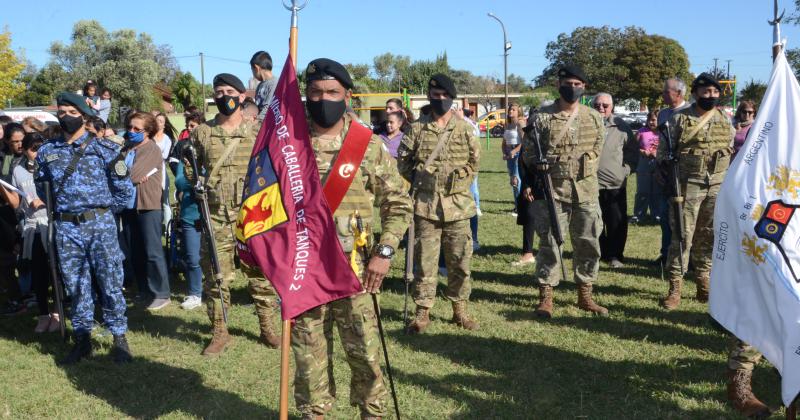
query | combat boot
[545, 307]
[219, 341]
[268, 336]
[673, 299]
[586, 302]
[82, 349]
[461, 318]
[120, 352]
[741, 397]
[702, 287]
[420, 322]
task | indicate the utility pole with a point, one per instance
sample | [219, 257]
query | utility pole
[729, 70]
[203, 83]
[506, 47]
[715, 66]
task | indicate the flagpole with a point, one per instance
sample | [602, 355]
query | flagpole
[286, 331]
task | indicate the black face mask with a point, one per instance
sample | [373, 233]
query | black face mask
[707, 104]
[325, 113]
[227, 105]
[441, 106]
[69, 124]
[570, 93]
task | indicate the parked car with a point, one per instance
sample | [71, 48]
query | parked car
[495, 120]
[19, 114]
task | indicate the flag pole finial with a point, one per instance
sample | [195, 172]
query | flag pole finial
[294, 7]
[776, 30]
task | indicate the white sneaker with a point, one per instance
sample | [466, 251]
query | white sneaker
[191, 302]
[478, 212]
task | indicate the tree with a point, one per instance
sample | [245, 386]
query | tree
[753, 91]
[128, 63]
[186, 90]
[10, 68]
[517, 84]
[648, 61]
[593, 49]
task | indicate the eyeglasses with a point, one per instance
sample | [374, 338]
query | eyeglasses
[599, 105]
[135, 129]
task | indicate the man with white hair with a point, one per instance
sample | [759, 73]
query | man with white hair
[619, 157]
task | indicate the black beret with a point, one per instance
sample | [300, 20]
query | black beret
[78, 101]
[572, 71]
[705, 79]
[441, 81]
[228, 79]
[327, 69]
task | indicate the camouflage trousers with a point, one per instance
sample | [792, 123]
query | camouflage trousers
[741, 356]
[585, 225]
[698, 230]
[454, 239]
[312, 344]
[260, 289]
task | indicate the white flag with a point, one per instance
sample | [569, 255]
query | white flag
[755, 276]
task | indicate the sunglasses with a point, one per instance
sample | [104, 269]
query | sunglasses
[602, 105]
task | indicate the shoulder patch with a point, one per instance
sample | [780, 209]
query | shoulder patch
[51, 158]
[120, 169]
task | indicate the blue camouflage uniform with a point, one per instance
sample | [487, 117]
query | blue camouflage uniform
[86, 235]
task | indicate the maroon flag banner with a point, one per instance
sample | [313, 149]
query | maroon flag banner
[285, 226]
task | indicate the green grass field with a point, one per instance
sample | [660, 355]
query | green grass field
[640, 363]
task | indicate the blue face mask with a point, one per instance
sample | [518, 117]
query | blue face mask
[135, 137]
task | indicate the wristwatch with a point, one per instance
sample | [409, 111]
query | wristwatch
[384, 251]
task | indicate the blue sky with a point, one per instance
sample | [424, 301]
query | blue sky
[357, 30]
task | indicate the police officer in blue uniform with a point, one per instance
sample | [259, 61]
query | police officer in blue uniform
[90, 182]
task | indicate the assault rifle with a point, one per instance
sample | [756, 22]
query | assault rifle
[542, 170]
[52, 259]
[205, 216]
[675, 185]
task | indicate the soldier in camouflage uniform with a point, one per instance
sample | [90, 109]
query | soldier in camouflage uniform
[443, 203]
[742, 359]
[702, 136]
[223, 146]
[376, 183]
[572, 137]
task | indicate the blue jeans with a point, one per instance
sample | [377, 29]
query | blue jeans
[153, 260]
[190, 241]
[513, 172]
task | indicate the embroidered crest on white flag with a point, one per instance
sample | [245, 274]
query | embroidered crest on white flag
[755, 276]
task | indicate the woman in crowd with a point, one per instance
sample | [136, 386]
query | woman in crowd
[33, 212]
[163, 139]
[742, 121]
[393, 136]
[648, 194]
[143, 220]
[512, 143]
[524, 208]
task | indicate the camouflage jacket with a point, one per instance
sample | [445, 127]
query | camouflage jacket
[210, 140]
[704, 153]
[441, 191]
[575, 158]
[376, 184]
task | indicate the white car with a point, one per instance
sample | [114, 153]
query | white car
[19, 114]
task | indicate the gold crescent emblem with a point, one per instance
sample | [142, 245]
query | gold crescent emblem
[346, 170]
